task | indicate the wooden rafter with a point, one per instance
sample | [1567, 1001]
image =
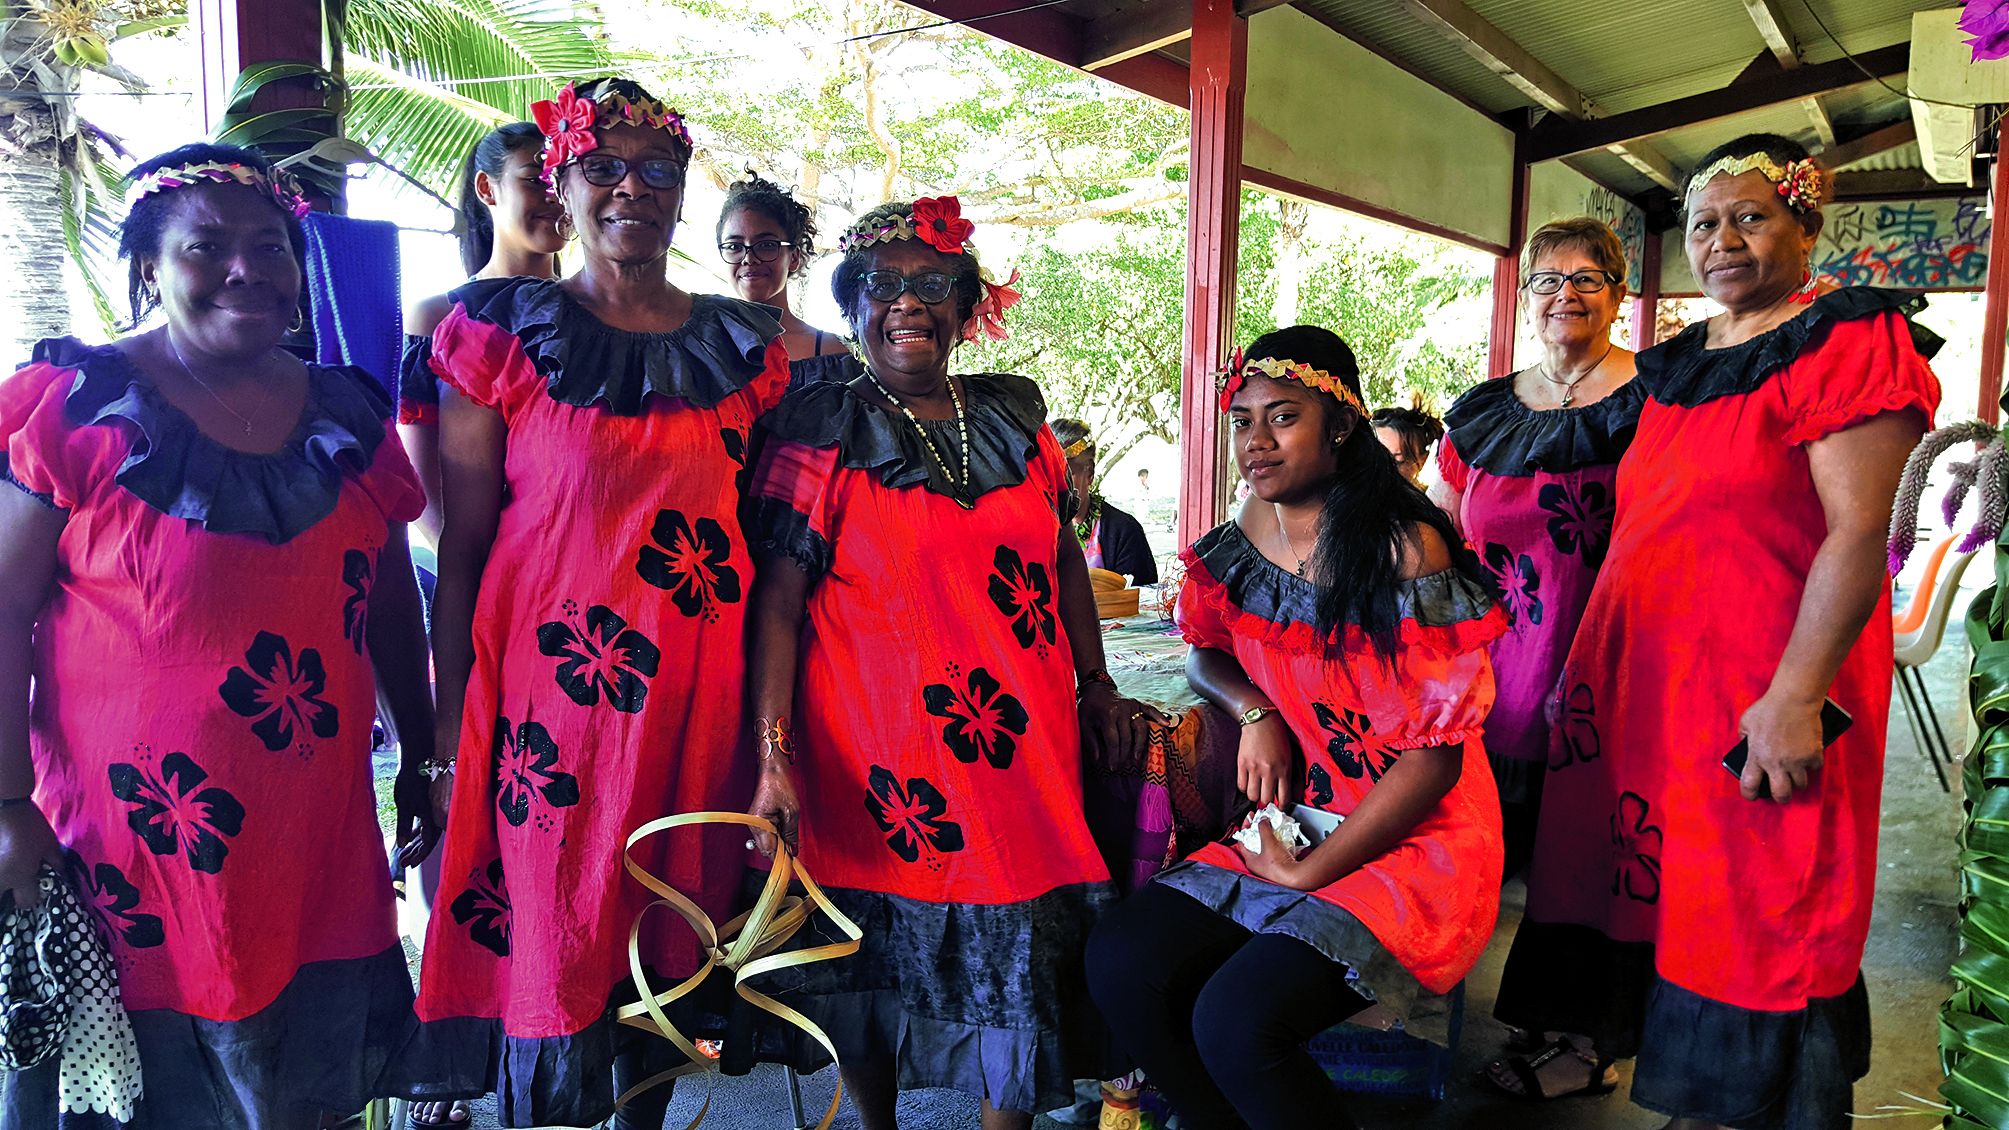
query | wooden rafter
[1901, 132]
[1777, 32]
[1144, 28]
[1564, 139]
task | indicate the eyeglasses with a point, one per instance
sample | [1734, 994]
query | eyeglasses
[1583, 282]
[929, 286]
[608, 171]
[762, 250]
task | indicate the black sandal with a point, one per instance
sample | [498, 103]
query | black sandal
[1527, 1071]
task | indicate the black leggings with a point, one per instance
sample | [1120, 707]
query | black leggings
[1218, 1016]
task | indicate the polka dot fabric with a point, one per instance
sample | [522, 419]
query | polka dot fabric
[59, 992]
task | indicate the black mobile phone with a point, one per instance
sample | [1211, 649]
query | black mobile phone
[1834, 723]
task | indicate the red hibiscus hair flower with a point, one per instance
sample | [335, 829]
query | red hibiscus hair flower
[568, 127]
[939, 220]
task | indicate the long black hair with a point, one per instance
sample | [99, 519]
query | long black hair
[490, 155]
[1416, 428]
[140, 231]
[1369, 518]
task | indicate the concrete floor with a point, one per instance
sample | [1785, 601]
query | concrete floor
[1911, 945]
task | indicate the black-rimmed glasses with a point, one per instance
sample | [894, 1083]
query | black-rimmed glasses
[1583, 282]
[762, 250]
[929, 286]
[606, 171]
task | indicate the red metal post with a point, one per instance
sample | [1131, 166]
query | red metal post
[1507, 274]
[1220, 56]
[1646, 308]
[1995, 320]
[235, 34]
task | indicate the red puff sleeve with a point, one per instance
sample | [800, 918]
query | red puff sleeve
[1198, 611]
[40, 452]
[391, 483]
[1865, 367]
[771, 383]
[1451, 467]
[1047, 469]
[793, 514]
[483, 362]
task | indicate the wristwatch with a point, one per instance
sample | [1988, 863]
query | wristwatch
[1255, 714]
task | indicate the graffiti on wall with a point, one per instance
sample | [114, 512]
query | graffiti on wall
[1910, 244]
[1630, 224]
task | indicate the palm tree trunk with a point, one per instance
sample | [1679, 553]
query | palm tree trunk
[34, 297]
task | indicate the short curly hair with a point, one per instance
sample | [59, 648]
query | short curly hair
[757, 193]
[1587, 234]
[848, 281]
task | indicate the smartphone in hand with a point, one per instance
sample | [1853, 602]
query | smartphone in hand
[1834, 723]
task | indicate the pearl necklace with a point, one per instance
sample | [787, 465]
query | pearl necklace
[962, 430]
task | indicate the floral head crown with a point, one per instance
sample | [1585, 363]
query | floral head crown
[571, 124]
[1798, 182]
[282, 187]
[938, 222]
[1283, 369]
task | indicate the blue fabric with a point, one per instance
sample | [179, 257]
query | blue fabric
[352, 287]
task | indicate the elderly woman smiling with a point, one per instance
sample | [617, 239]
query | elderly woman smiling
[1714, 922]
[925, 638]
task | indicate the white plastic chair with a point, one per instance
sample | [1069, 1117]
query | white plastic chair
[1913, 650]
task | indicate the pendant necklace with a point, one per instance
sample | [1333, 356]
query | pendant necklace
[1570, 386]
[1288, 545]
[962, 431]
[204, 385]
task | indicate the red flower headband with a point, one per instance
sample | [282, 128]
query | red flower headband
[1284, 369]
[570, 123]
[938, 221]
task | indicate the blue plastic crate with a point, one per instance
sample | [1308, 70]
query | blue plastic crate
[1368, 1061]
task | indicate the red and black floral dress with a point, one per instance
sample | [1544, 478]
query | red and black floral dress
[607, 683]
[1411, 923]
[940, 755]
[200, 726]
[1719, 938]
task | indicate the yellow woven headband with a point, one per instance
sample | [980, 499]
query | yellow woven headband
[1284, 369]
[1077, 447]
[1797, 182]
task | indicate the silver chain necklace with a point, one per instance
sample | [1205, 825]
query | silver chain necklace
[962, 428]
[204, 385]
[1288, 544]
[1570, 386]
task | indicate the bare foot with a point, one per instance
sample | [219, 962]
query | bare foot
[437, 1114]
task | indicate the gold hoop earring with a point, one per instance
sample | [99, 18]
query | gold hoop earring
[299, 322]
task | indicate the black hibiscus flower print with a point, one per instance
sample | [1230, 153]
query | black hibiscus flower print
[911, 816]
[1520, 583]
[982, 719]
[527, 777]
[484, 909]
[1024, 593]
[1354, 746]
[735, 449]
[1579, 741]
[599, 656]
[1581, 522]
[281, 695]
[1318, 793]
[691, 561]
[1637, 846]
[172, 811]
[116, 902]
[357, 573]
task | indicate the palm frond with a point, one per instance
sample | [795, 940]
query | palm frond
[409, 62]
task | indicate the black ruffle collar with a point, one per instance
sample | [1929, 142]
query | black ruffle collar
[1492, 430]
[1004, 413]
[584, 361]
[1263, 589]
[179, 471]
[1684, 372]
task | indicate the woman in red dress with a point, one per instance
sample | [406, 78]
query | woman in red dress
[926, 638]
[203, 569]
[1338, 615]
[589, 633]
[1714, 922]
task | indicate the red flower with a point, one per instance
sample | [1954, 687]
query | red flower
[1232, 380]
[987, 318]
[939, 220]
[567, 125]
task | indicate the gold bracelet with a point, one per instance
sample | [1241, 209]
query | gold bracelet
[775, 740]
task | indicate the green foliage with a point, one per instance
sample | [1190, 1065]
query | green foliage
[1974, 1024]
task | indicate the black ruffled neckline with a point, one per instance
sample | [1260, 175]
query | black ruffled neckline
[1261, 588]
[1684, 372]
[1491, 429]
[1003, 412]
[584, 361]
[823, 367]
[177, 470]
